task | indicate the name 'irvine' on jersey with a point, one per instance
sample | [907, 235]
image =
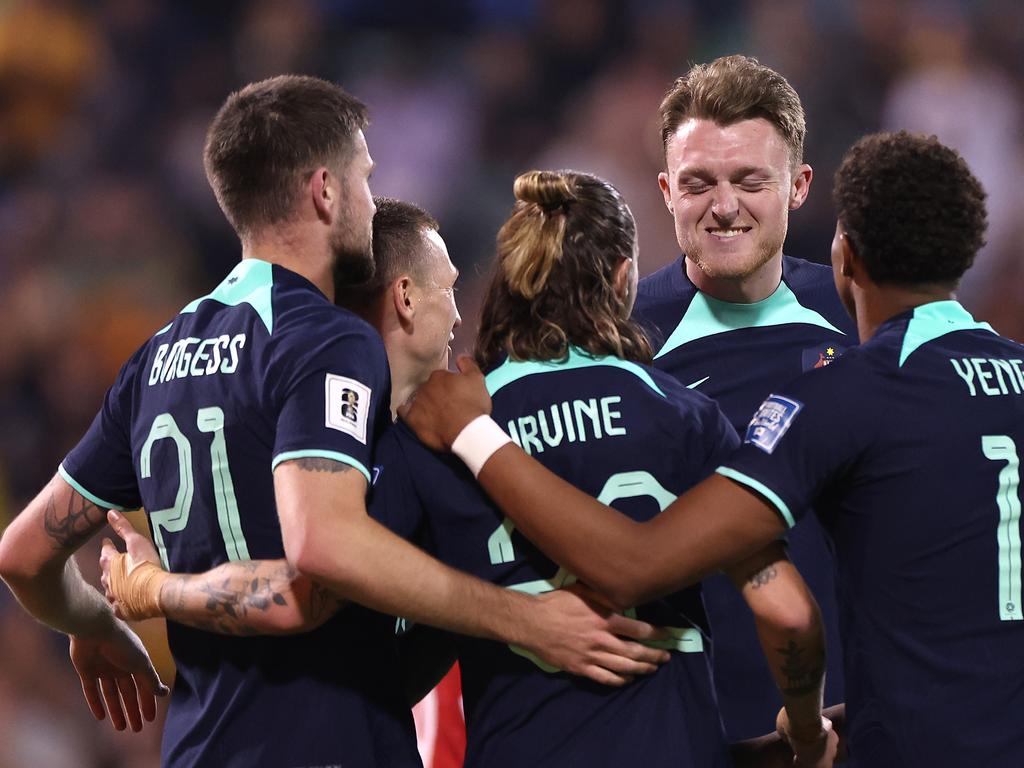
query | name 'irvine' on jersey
[909, 450]
[737, 354]
[262, 370]
[632, 437]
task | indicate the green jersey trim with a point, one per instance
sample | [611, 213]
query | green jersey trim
[762, 489]
[935, 319]
[513, 370]
[316, 453]
[708, 316]
[81, 490]
[250, 282]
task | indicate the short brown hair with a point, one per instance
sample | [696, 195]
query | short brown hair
[731, 89]
[553, 283]
[268, 137]
[398, 229]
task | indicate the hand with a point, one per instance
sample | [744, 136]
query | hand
[113, 564]
[819, 751]
[577, 632]
[446, 403]
[115, 669]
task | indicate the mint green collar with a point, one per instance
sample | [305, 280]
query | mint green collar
[935, 319]
[250, 282]
[708, 316]
[513, 370]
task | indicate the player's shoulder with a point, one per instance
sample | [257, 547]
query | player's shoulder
[666, 284]
[814, 287]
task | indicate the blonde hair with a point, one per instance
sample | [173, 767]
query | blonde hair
[553, 283]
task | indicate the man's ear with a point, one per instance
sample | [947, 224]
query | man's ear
[801, 185]
[323, 194]
[620, 278]
[666, 190]
[403, 298]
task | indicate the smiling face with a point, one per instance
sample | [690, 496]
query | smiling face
[730, 190]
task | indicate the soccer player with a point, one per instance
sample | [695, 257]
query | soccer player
[245, 429]
[737, 318]
[911, 440]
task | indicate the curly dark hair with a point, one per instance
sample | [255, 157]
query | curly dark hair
[552, 286]
[911, 207]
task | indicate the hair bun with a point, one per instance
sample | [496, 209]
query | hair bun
[551, 190]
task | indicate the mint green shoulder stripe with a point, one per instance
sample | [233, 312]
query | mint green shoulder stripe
[250, 282]
[513, 370]
[762, 489]
[930, 321]
[90, 496]
[707, 316]
[319, 454]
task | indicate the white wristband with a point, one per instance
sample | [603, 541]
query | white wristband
[478, 441]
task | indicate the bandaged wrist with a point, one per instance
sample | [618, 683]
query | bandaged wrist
[138, 592]
[478, 441]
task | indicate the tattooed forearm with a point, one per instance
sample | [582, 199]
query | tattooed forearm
[247, 598]
[763, 576]
[314, 464]
[803, 670]
[72, 524]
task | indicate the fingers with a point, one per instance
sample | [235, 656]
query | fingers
[130, 701]
[113, 703]
[604, 676]
[466, 364]
[120, 524]
[92, 697]
[635, 629]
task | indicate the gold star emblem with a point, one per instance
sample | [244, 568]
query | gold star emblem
[830, 351]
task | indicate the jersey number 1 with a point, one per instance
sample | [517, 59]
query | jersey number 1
[174, 519]
[1002, 448]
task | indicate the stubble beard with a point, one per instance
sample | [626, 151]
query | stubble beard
[353, 261]
[721, 269]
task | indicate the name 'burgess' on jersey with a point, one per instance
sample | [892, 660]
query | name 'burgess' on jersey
[177, 360]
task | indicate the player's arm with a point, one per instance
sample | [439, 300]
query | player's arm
[716, 523]
[36, 563]
[247, 597]
[329, 537]
[793, 641]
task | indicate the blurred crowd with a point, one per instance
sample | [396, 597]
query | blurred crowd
[107, 226]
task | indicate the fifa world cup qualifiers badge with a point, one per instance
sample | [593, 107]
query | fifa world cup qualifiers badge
[771, 421]
[348, 404]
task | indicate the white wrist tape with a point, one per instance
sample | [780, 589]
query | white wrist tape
[478, 441]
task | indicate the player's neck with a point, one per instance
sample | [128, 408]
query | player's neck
[747, 289]
[876, 304]
[297, 251]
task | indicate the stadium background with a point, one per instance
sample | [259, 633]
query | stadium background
[107, 226]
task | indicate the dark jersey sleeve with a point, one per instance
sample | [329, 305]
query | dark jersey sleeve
[394, 501]
[802, 439]
[100, 467]
[332, 391]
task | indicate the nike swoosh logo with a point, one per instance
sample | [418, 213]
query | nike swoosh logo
[697, 383]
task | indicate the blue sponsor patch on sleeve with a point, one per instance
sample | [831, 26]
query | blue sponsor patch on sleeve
[771, 421]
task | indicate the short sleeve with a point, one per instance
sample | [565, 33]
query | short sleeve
[708, 436]
[333, 394]
[801, 439]
[394, 501]
[100, 467]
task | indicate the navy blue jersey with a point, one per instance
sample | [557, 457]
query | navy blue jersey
[736, 354]
[632, 437]
[263, 370]
[908, 448]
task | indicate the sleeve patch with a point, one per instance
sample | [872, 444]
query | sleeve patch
[771, 422]
[348, 406]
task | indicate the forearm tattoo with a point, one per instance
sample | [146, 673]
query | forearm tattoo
[803, 674]
[72, 524]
